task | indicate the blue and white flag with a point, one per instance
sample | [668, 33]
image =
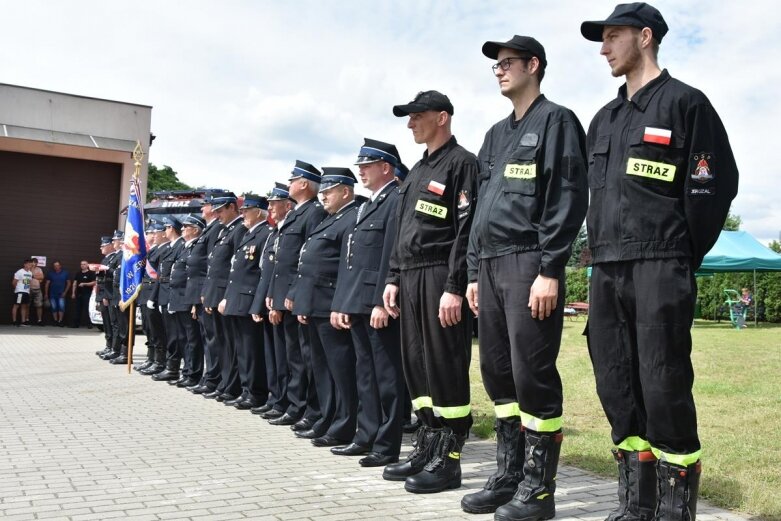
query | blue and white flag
[133, 249]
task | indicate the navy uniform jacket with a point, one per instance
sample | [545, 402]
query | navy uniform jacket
[365, 255]
[167, 258]
[104, 279]
[211, 234]
[313, 289]
[196, 266]
[148, 283]
[220, 263]
[266, 273]
[298, 225]
[245, 271]
[114, 272]
[177, 300]
[661, 173]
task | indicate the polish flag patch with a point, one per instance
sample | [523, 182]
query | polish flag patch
[436, 188]
[659, 136]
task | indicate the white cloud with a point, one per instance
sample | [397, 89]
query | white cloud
[241, 89]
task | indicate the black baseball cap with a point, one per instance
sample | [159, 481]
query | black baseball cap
[637, 14]
[519, 43]
[425, 100]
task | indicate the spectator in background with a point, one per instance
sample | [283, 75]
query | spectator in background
[21, 287]
[36, 295]
[57, 285]
[83, 284]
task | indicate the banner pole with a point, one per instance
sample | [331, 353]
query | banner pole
[131, 332]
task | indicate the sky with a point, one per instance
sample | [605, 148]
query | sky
[240, 89]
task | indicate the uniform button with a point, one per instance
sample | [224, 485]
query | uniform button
[299, 276]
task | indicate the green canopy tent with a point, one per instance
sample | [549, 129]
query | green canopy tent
[740, 251]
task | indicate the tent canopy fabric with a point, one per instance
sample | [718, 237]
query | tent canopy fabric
[739, 251]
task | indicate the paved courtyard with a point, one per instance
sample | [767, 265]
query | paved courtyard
[81, 439]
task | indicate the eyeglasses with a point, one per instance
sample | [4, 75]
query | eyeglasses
[505, 64]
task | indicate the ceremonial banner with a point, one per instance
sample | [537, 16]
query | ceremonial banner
[133, 249]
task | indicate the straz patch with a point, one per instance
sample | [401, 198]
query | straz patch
[515, 171]
[703, 174]
[432, 209]
[650, 169]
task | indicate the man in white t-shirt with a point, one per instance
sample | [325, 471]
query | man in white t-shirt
[21, 287]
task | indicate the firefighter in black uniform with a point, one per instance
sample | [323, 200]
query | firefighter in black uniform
[312, 293]
[104, 292]
[120, 321]
[150, 290]
[186, 280]
[143, 296]
[303, 411]
[175, 334]
[239, 295]
[211, 349]
[531, 204]
[225, 206]
[662, 177]
[426, 285]
[358, 307]
[279, 204]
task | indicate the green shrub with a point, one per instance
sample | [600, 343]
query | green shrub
[577, 285]
[768, 295]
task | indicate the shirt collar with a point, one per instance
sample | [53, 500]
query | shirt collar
[433, 158]
[378, 192]
[643, 96]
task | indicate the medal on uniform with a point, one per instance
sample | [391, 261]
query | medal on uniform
[251, 255]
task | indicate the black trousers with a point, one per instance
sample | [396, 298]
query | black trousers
[120, 327]
[333, 366]
[82, 308]
[517, 352]
[380, 385]
[108, 330]
[250, 358]
[277, 372]
[640, 344]
[175, 340]
[301, 391]
[229, 364]
[193, 345]
[212, 340]
[113, 317]
[436, 359]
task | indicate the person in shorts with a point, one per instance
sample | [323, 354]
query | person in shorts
[21, 287]
[36, 293]
[58, 284]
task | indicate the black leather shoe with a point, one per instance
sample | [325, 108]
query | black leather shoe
[187, 382]
[247, 403]
[120, 360]
[153, 369]
[166, 376]
[260, 410]
[307, 435]
[304, 424]
[110, 355]
[285, 419]
[375, 459]
[200, 389]
[327, 441]
[231, 403]
[272, 414]
[175, 382]
[225, 397]
[212, 395]
[352, 449]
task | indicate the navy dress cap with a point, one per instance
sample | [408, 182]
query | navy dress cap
[373, 151]
[218, 201]
[158, 226]
[255, 201]
[105, 240]
[306, 171]
[637, 14]
[278, 193]
[401, 172]
[172, 222]
[150, 227]
[118, 235]
[333, 176]
[194, 220]
[425, 100]
[519, 43]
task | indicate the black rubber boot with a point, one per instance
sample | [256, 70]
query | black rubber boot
[636, 486]
[423, 445]
[444, 471]
[533, 501]
[501, 486]
[677, 491]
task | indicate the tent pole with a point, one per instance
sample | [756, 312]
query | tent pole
[756, 300]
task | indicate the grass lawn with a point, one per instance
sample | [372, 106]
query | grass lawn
[737, 389]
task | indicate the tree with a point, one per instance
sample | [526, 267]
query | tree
[775, 246]
[161, 179]
[732, 223]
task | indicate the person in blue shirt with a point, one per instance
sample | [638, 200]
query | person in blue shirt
[57, 285]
